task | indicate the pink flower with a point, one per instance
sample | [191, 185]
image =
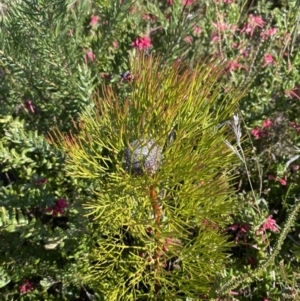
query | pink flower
[268, 60]
[149, 17]
[248, 29]
[233, 293]
[240, 230]
[89, 56]
[197, 30]
[221, 26]
[232, 65]
[256, 21]
[267, 123]
[253, 23]
[283, 182]
[170, 2]
[293, 93]
[189, 40]
[296, 126]
[29, 106]
[59, 207]
[257, 132]
[268, 32]
[26, 286]
[142, 43]
[215, 37]
[94, 20]
[187, 2]
[269, 224]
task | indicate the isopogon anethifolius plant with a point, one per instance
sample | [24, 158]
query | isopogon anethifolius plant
[160, 200]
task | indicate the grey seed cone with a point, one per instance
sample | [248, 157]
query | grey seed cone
[143, 156]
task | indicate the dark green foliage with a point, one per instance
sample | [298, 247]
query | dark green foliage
[30, 236]
[47, 75]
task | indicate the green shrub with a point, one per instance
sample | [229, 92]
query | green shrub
[161, 172]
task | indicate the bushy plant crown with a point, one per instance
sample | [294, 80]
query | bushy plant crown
[172, 249]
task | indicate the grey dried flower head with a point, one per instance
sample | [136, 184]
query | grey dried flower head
[143, 156]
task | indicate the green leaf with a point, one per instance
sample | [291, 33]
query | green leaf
[4, 278]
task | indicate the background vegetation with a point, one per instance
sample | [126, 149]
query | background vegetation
[69, 70]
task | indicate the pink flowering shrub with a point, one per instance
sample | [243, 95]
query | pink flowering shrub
[269, 60]
[141, 43]
[269, 224]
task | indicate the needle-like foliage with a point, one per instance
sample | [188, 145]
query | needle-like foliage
[161, 173]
